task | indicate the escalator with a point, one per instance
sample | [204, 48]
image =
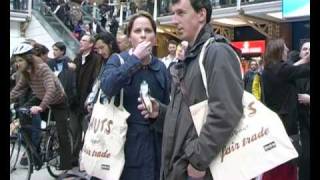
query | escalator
[55, 27]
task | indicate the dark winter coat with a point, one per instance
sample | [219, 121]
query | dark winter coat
[144, 136]
[181, 144]
[86, 74]
[280, 91]
[66, 76]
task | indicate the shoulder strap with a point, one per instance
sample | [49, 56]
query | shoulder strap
[201, 58]
[121, 91]
[202, 70]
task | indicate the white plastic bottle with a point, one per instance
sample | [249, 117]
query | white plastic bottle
[144, 94]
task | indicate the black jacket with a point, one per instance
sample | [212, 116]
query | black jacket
[280, 92]
[86, 74]
[66, 76]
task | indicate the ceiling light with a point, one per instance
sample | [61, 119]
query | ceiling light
[230, 21]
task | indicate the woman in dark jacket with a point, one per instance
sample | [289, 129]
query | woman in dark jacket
[143, 140]
[280, 91]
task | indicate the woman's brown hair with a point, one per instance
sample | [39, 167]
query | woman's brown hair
[141, 14]
[274, 51]
[32, 62]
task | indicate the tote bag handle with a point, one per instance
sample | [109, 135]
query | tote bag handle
[201, 58]
[121, 91]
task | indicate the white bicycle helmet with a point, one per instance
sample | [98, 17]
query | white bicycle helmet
[22, 48]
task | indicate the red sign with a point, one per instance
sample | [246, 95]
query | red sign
[248, 47]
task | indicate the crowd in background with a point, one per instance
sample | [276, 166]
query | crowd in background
[280, 81]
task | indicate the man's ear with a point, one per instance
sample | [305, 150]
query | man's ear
[202, 15]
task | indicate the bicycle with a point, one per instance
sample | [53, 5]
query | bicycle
[23, 154]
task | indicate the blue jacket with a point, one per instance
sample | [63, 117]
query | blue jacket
[144, 137]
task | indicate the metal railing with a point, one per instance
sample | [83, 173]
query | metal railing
[165, 5]
[20, 8]
[20, 5]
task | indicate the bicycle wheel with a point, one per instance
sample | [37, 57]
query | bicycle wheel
[20, 161]
[13, 148]
[52, 154]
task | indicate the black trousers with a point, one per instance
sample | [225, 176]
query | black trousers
[304, 159]
[78, 125]
[60, 115]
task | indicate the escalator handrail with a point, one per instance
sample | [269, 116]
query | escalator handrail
[42, 4]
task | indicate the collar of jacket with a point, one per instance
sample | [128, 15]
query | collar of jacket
[153, 65]
[205, 33]
[89, 56]
[61, 59]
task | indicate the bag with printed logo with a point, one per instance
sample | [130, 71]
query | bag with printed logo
[258, 144]
[102, 155]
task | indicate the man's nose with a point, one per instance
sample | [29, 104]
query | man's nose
[174, 19]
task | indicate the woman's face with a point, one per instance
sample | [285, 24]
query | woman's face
[57, 52]
[142, 31]
[21, 64]
[102, 49]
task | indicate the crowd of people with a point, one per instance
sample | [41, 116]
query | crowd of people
[163, 143]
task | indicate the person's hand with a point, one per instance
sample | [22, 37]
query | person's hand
[145, 113]
[35, 109]
[194, 173]
[143, 50]
[72, 66]
[304, 98]
[303, 60]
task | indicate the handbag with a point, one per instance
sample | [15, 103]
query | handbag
[102, 155]
[258, 144]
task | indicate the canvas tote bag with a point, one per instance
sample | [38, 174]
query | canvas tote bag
[102, 154]
[258, 144]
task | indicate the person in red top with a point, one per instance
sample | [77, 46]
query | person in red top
[47, 88]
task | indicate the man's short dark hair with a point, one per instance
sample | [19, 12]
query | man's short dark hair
[197, 5]
[61, 46]
[172, 42]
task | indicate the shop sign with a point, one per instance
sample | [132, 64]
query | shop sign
[249, 47]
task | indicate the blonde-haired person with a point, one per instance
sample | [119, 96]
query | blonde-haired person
[123, 41]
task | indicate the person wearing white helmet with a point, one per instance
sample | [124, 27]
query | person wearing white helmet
[48, 90]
